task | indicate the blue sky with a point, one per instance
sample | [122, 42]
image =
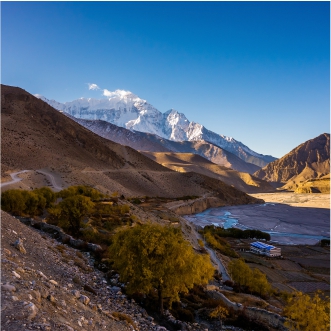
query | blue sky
[255, 71]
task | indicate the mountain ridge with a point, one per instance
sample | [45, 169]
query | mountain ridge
[309, 160]
[35, 136]
[142, 141]
[125, 109]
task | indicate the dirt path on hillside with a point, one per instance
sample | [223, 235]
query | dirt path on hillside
[14, 177]
[51, 178]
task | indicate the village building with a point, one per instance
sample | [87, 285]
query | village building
[265, 249]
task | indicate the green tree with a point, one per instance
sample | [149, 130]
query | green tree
[307, 313]
[48, 194]
[13, 201]
[70, 212]
[219, 312]
[83, 190]
[156, 257]
[34, 203]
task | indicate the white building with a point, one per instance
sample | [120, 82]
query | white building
[265, 249]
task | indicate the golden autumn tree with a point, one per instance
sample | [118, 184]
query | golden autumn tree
[240, 272]
[259, 283]
[156, 257]
[219, 312]
[307, 313]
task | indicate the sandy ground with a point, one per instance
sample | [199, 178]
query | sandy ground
[289, 218]
[296, 200]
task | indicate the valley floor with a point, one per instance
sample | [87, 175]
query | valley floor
[296, 200]
[288, 217]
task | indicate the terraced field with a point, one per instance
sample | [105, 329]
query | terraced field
[302, 268]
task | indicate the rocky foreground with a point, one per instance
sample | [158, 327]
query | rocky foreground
[49, 286]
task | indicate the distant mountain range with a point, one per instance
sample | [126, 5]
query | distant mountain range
[152, 143]
[310, 160]
[125, 109]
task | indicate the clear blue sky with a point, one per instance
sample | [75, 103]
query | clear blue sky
[258, 72]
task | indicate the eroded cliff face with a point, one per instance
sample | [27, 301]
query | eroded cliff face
[309, 160]
[189, 207]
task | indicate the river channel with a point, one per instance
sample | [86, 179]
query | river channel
[286, 224]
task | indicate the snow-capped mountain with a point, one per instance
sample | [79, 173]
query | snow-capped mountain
[127, 110]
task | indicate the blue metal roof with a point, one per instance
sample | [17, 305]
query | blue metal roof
[260, 245]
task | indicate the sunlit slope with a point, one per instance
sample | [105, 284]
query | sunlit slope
[188, 162]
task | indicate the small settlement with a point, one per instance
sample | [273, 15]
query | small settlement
[265, 249]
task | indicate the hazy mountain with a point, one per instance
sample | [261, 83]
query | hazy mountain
[153, 143]
[127, 110]
[310, 160]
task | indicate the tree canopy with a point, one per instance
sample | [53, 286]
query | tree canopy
[155, 257]
[22, 202]
[254, 280]
[307, 313]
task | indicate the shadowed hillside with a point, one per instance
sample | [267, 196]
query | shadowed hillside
[35, 136]
[152, 143]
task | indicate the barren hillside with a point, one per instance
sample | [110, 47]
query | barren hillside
[37, 137]
[309, 160]
[188, 162]
[149, 142]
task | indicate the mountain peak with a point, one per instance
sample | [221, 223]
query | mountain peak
[125, 109]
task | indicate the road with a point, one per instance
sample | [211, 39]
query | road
[51, 178]
[218, 262]
[14, 177]
[212, 254]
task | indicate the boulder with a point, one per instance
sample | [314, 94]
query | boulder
[18, 244]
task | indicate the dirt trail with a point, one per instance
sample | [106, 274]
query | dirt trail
[51, 177]
[14, 177]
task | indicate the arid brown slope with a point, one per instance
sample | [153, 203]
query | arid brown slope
[142, 141]
[309, 160]
[318, 185]
[36, 136]
[188, 162]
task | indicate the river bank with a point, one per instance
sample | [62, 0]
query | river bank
[286, 222]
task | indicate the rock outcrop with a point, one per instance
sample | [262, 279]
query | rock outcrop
[309, 160]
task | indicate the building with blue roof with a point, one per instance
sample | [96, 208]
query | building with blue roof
[265, 249]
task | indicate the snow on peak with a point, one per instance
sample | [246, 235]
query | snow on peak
[125, 109]
[120, 94]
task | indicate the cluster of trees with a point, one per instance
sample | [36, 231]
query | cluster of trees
[308, 313]
[76, 203]
[249, 280]
[27, 203]
[157, 258]
[235, 233]
[219, 244]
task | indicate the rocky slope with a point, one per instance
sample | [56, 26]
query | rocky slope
[152, 143]
[309, 160]
[127, 110]
[318, 185]
[66, 294]
[38, 138]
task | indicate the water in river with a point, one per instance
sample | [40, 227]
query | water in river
[284, 223]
